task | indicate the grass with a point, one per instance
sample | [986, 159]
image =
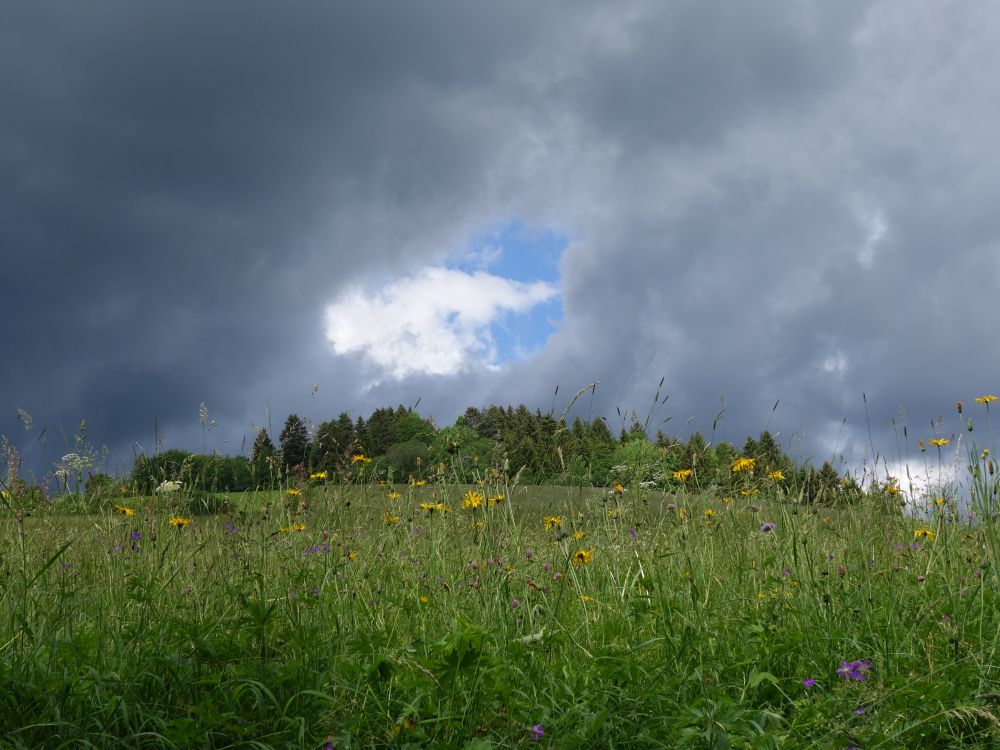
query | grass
[343, 618]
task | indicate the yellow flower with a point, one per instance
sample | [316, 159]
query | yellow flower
[617, 488]
[293, 491]
[710, 513]
[681, 475]
[419, 482]
[939, 501]
[318, 475]
[390, 518]
[777, 476]
[436, 505]
[727, 501]
[4, 494]
[583, 557]
[749, 493]
[424, 600]
[496, 500]
[682, 513]
[393, 495]
[298, 527]
[892, 488]
[578, 535]
[584, 598]
[352, 555]
[939, 442]
[985, 452]
[179, 521]
[989, 399]
[928, 534]
[360, 458]
[124, 510]
[552, 522]
[744, 464]
[473, 500]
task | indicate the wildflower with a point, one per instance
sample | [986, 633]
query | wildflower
[854, 670]
[298, 527]
[744, 464]
[989, 399]
[496, 500]
[939, 501]
[776, 476]
[709, 513]
[318, 475]
[921, 579]
[179, 521]
[424, 600]
[681, 513]
[809, 682]
[892, 488]
[617, 488]
[135, 536]
[748, 493]
[537, 732]
[681, 475]
[418, 482]
[473, 500]
[924, 533]
[390, 518]
[124, 510]
[293, 491]
[584, 598]
[985, 452]
[436, 505]
[552, 522]
[670, 506]
[393, 495]
[767, 527]
[583, 557]
[316, 549]
[352, 555]
[169, 486]
[5, 494]
[230, 528]
[515, 603]
[727, 501]
[578, 535]
[940, 442]
[360, 458]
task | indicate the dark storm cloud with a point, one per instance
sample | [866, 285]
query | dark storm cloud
[764, 202]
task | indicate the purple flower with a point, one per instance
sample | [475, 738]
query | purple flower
[515, 603]
[632, 534]
[859, 710]
[136, 536]
[230, 528]
[767, 527]
[786, 572]
[854, 670]
[809, 682]
[830, 556]
[529, 553]
[537, 732]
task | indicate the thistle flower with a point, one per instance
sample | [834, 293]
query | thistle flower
[767, 527]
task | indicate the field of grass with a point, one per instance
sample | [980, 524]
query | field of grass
[351, 617]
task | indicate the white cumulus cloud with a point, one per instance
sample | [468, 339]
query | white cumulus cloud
[434, 322]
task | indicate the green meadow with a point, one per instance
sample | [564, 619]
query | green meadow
[362, 613]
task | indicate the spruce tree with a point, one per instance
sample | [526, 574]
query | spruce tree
[262, 447]
[294, 441]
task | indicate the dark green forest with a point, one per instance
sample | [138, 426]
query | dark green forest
[512, 444]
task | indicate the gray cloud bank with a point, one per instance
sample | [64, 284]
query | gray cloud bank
[766, 201]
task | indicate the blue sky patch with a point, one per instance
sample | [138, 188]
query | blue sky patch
[516, 251]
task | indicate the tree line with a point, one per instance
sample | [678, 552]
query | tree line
[508, 443]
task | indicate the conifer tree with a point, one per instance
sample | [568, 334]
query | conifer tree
[262, 447]
[294, 441]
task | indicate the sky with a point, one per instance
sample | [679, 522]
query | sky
[323, 207]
